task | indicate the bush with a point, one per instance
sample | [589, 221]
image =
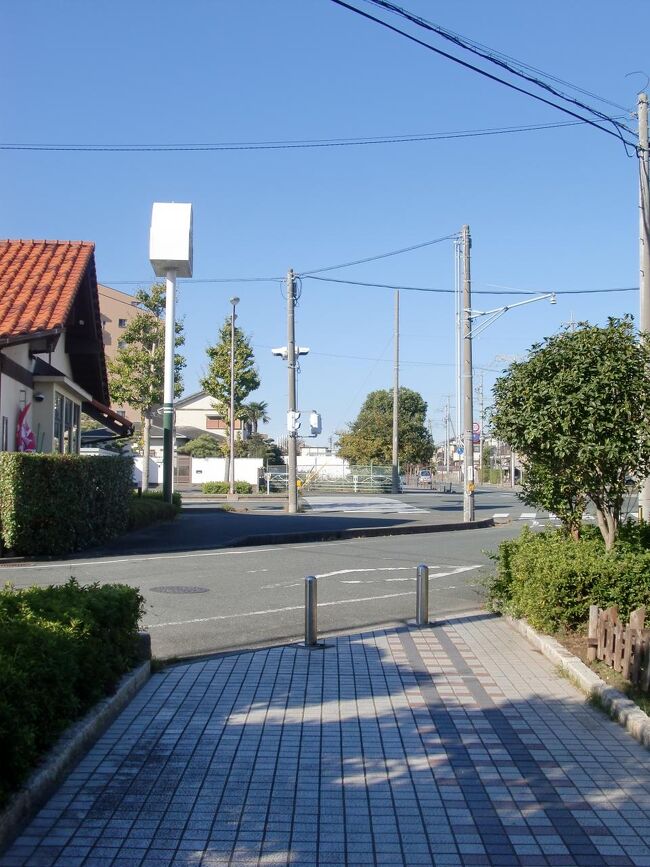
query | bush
[148, 508]
[61, 650]
[224, 487]
[54, 504]
[551, 580]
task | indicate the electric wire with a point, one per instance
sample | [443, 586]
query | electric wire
[474, 291]
[379, 256]
[491, 56]
[523, 65]
[400, 138]
[616, 132]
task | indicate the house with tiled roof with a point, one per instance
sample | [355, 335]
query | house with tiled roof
[52, 364]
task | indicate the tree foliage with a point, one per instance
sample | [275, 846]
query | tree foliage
[369, 439]
[577, 411]
[253, 413]
[137, 373]
[217, 380]
[203, 446]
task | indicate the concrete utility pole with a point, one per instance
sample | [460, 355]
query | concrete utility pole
[395, 467]
[291, 367]
[479, 391]
[231, 440]
[644, 257]
[468, 386]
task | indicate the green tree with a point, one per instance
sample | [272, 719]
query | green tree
[369, 439]
[259, 446]
[137, 373]
[203, 446]
[578, 412]
[255, 412]
[217, 380]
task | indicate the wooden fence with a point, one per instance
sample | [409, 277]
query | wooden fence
[624, 647]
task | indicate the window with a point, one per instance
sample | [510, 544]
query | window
[122, 323]
[67, 415]
[5, 433]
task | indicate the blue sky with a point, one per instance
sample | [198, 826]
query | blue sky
[548, 210]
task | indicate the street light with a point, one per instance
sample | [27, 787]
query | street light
[170, 254]
[231, 466]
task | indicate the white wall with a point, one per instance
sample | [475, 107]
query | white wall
[214, 470]
[328, 466]
[155, 470]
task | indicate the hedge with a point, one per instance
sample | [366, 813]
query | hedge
[55, 504]
[551, 580]
[145, 509]
[61, 650]
[224, 488]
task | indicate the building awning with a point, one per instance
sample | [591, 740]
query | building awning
[108, 418]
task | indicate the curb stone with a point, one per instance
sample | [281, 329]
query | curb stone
[64, 755]
[620, 708]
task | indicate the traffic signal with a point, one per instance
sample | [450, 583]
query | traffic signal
[315, 423]
[293, 420]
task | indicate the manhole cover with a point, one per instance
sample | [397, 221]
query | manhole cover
[177, 589]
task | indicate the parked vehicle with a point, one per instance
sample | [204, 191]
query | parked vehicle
[424, 476]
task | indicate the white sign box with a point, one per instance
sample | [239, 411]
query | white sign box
[170, 238]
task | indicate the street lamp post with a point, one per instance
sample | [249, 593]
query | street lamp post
[170, 254]
[231, 465]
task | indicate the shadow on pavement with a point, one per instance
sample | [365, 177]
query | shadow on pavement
[393, 747]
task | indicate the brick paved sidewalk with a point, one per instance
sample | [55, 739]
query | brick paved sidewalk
[452, 745]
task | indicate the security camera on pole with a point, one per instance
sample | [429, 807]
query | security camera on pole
[170, 254]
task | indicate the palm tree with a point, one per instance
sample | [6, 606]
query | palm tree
[254, 413]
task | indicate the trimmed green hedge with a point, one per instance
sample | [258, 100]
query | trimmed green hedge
[61, 650]
[224, 487]
[551, 580]
[145, 509]
[55, 504]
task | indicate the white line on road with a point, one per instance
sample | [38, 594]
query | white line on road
[301, 607]
[275, 610]
[74, 563]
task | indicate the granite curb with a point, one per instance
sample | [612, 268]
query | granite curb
[68, 750]
[619, 707]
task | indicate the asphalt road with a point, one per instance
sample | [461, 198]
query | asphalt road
[203, 601]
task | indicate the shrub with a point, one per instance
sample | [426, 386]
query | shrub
[54, 504]
[224, 487]
[61, 650]
[145, 509]
[551, 580]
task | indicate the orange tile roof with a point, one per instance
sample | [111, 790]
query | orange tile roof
[38, 283]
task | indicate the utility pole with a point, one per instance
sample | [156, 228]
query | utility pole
[644, 257]
[468, 405]
[482, 409]
[291, 366]
[447, 441]
[395, 467]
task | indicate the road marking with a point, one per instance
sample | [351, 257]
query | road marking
[72, 564]
[527, 515]
[501, 515]
[276, 610]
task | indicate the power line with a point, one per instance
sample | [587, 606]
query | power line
[149, 280]
[616, 133]
[380, 256]
[474, 291]
[400, 138]
[520, 63]
[495, 57]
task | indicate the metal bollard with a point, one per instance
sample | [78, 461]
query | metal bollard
[311, 611]
[422, 596]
